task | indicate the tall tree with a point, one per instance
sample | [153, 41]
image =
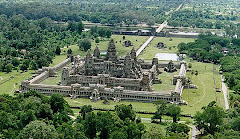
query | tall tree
[9, 68]
[90, 125]
[108, 33]
[58, 50]
[39, 129]
[57, 103]
[105, 124]
[210, 119]
[85, 109]
[85, 44]
[161, 110]
[174, 112]
[80, 27]
[125, 111]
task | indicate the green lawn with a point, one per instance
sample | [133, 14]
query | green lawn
[137, 106]
[197, 98]
[160, 127]
[99, 104]
[151, 50]
[10, 86]
[53, 80]
[166, 78]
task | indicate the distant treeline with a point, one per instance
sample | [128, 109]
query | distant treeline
[105, 11]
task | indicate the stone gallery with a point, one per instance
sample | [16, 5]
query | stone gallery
[111, 77]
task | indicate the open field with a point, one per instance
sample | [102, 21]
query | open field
[166, 78]
[197, 98]
[99, 104]
[171, 46]
[11, 81]
[161, 127]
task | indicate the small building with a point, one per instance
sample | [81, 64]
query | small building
[225, 50]
[23, 51]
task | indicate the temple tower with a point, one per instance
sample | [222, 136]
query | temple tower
[65, 76]
[155, 62]
[88, 63]
[96, 52]
[128, 73]
[133, 54]
[111, 51]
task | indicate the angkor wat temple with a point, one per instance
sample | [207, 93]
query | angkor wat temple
[113, 77]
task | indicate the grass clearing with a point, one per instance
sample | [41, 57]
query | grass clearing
[166, 85]
[138, 106]
[162, 127]
[197, 98]
[171, 46]
[53, 80]
[12, 81]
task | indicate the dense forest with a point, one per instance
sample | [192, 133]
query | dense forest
[97, 11]
[199, 19]
[208, 48]
[33, 115]
[32, 44]
[209, 14]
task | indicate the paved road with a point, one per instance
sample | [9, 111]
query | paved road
[180, 6]
[160, 28]
[144, 45]
[194, 131]
[224, 89]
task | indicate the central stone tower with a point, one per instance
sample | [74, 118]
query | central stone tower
[111, 51]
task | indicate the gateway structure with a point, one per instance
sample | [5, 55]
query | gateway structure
[112, 77]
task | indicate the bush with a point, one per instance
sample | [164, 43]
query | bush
[97, 40]
[85, 44]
